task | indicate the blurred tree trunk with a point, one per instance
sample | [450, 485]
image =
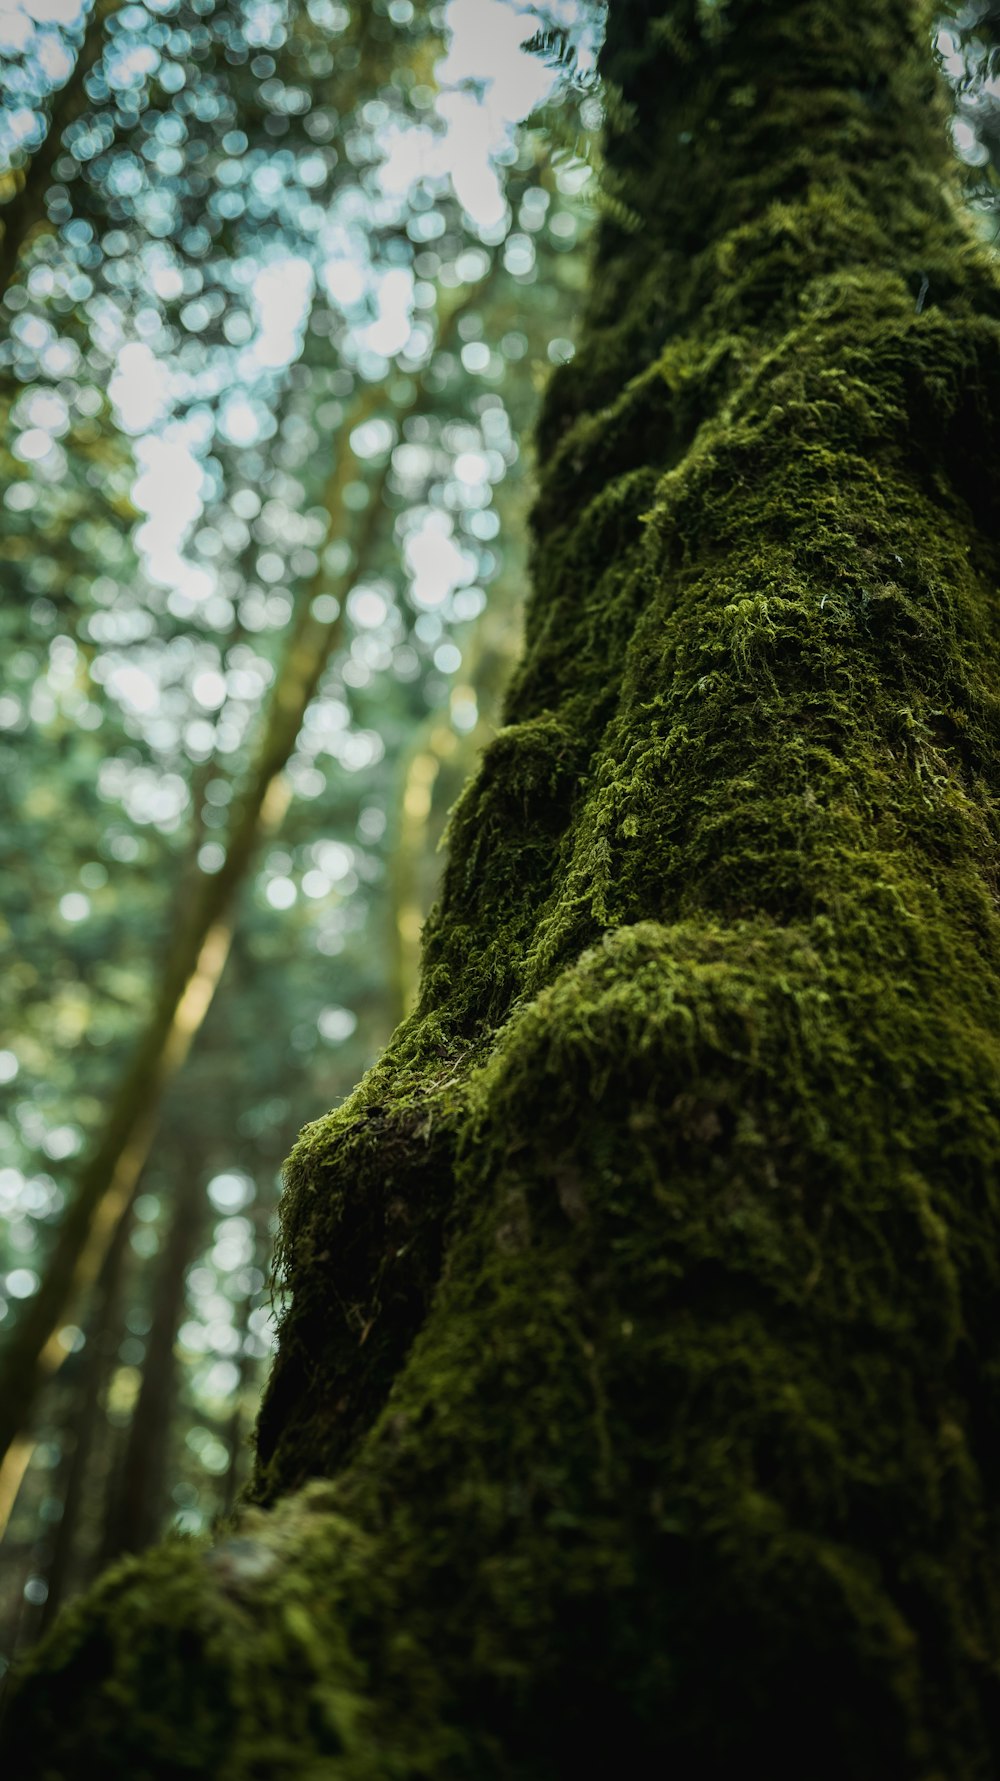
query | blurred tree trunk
[198, 952]
[238, 1431]
[136, 1498]
[104, 1330]
[191, 975]
[643, 1297]
[435, 768]
[24, 212]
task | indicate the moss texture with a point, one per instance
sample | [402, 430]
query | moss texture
[643, 1314]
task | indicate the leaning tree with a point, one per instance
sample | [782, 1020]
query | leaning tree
[639, 1397]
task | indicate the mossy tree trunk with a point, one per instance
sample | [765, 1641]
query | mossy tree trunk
[643, 1321]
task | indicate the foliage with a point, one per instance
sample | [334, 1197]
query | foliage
[166, 445]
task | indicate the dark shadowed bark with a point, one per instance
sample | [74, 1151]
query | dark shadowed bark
[643, 1298]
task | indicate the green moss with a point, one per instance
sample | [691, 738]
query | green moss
[643, 1297]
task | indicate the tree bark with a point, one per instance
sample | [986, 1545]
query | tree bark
[643, 1298]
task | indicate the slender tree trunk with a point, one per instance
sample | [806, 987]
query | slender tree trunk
[238, 1431]
[136, 1498]
[196, 957]
[24, 213]
[193, 969]
[437, 763]
[643, 1298]
[103, 1336]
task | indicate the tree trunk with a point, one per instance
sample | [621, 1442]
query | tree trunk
[643, 1298]
[237, 1436]
[104, 1334]
[199, 948]
[24, 212]
[137, 1494]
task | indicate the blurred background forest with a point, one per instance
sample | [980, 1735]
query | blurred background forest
[281, 281]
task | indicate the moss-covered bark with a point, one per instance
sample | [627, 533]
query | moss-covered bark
[644, 1296]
